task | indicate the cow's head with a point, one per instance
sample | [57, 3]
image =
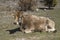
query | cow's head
[18, 17]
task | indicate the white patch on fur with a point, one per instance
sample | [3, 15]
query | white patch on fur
[46, 28]
[17, 23]
[28, 31]
[51, 30]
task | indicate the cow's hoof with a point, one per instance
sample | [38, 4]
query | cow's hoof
[55, 31]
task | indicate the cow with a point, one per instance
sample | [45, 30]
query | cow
[31, 23]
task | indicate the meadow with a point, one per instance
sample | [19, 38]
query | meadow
[9, 31]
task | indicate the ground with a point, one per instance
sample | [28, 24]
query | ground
[9, 31]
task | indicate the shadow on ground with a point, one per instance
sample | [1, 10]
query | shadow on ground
[46, 8]
[12, 31]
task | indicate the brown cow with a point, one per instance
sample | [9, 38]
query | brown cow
[31, 23]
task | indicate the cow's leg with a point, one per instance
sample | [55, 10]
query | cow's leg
[21, 28]
[52, 30]
[46, 29]
[51, 26]
[29, 30]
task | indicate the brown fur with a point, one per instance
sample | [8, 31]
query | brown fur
[33, 22]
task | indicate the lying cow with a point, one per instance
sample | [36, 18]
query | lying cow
[31, 23]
